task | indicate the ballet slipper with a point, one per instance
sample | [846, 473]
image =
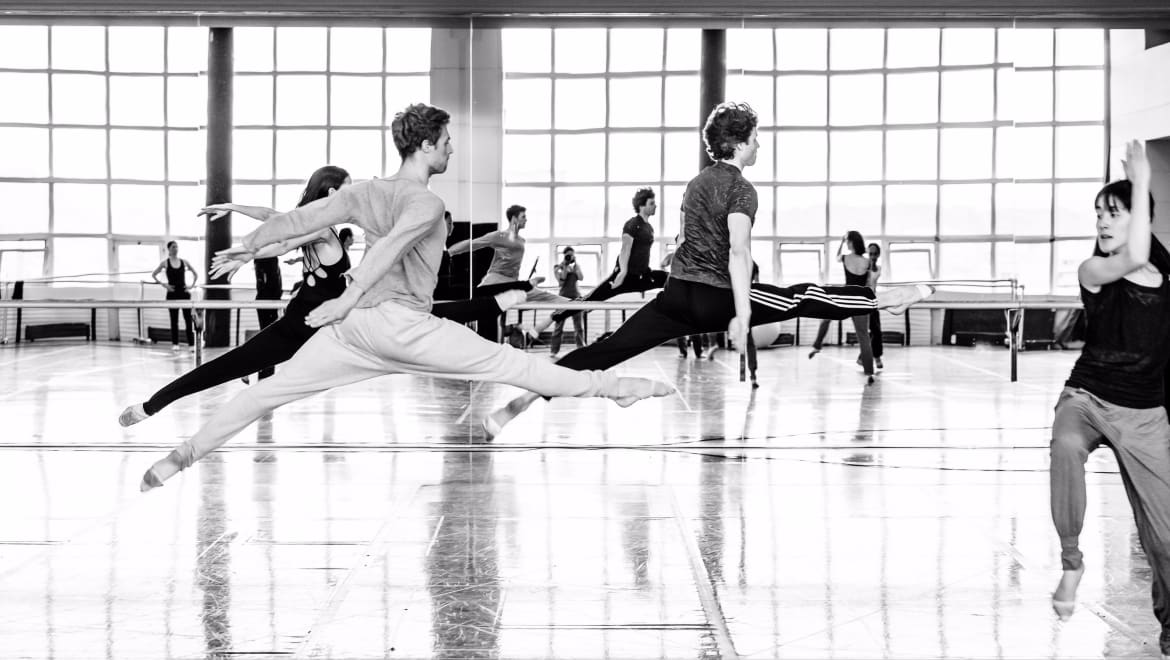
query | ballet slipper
[813, 353]
[495, 422]
[915, 294]
[632, 390]
[132, 415]
[150, 481]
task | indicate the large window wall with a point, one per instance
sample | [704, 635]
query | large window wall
[967, 153]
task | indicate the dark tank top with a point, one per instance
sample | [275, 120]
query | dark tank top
[852, 279]
[1125, 353]
[176, 277]
[319, 282]
[569, 284]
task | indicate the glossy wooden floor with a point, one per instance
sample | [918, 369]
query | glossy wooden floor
[814, 518]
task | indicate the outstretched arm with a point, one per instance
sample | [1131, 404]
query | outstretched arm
[217, 211]
[305, 220]
[473, 244]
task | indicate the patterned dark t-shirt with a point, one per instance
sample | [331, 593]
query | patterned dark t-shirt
[717, 192]
[643, 234]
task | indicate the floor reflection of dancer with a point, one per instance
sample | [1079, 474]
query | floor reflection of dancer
[631, 273]
[710, 288]
[381, 323]
[324, 263]
[857, 269]
[508, 253]
[1115, 395]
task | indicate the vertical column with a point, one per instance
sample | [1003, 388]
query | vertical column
[712, 80]
[218, 234]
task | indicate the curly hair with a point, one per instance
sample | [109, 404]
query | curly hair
[728, 124]
[417, 124]
[642, 197]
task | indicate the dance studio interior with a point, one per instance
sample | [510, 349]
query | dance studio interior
[256, 406]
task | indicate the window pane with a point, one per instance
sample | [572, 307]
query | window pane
[855, 208]
[669, 203]
[286, 196]
[765, 212]
[1080, 151]
[800, 211]
[580, 103]
[22, 265]
[966, 153]
[682, 49]
[856, 48]
[635, 157]
[79, 153]
[359, 152]
[80, 256]
[756, 91]
[910, 210]
[1080, 95]
[26, 208]
[186, 155]
[855, 155]
[635, 49]
[1024, 209]
[580, 211]
[912, 154]
[527, 157]
[749, 49]
[300, 100]
[79, 208]
[968, 46]
[404, 91]
[965, 209]
[681, 156]
[910, 263]
[26, 97]
[964, 261]
[183, 202]
[527, 50]
[1030, 152]
[136, 154]
[579, 157]
[355, 101]
[252, 102]
[1074, 208]
[528, 103]
[136, 101]
[801, 156]
[912, 47]
[1080, 47]
[1068, 258]
[855, 99]
[801, 49]
[763, 253]
[298, 153]
[633, 102]
[1004, 93]
[800, 264]
[136, 48]
[1032, 47]
[801, 100]
[912, 98]
[762, 170]
[1032, 96]
[417, 42]
[681, 91]
[537, 201]
[252, 195]
[252, 153]
[135, 261]
[252, 49]
[187, 49]
[968, 95]
[82, 48]
[355, 49]
[1033, 266]
[579, 50]
[1005, 164]
[79, 99]
[300, 48]
[138, 210]
[187, 101]
[24, 46]
[25, 152]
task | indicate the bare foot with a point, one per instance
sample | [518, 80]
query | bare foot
[1064, 599]
[632, 390]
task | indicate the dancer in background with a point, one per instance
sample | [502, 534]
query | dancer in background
[568, 274]
[177, 289]
[856, 265]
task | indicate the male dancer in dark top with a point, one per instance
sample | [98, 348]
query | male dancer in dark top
[710, 288]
